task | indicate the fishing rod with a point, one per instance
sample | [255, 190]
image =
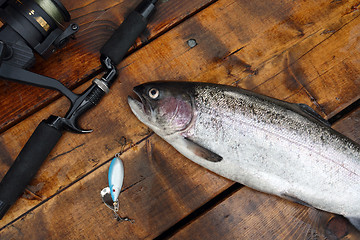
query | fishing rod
[50, 130]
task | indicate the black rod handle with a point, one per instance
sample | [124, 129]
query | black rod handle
[130, 29]
[26, 165]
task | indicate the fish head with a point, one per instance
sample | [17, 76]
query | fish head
[165, 107]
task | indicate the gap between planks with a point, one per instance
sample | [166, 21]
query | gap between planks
[220, 197]
[212, 203]
[77, 180]
[345, 112]
[98, 70]
[208, 206]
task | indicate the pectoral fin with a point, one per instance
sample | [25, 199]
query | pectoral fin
[201, 151]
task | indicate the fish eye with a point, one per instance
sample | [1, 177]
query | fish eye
[154, 93]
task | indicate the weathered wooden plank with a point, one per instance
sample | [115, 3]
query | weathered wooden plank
[160, 188]
[249, 214]
[266, 54]
[169, 56]
[349, 125]
[97, 20]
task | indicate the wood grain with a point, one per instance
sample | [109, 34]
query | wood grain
[80, 58]
[159, 189]
[249, 214]
[281, 49]
[349, 124]
[306, 67]
[168, 56]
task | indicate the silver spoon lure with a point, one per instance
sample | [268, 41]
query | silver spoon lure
[110, 194]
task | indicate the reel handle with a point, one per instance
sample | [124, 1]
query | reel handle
[129, 30]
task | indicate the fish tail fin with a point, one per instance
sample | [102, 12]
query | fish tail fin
[355, 222]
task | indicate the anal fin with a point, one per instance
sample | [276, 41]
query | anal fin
[201, 151]
[295, 199]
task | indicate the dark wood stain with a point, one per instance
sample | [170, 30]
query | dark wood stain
[301, 50]
[208, 43]
[81, 54]
[296, 80]
[337, 227]
[159, 165]
[5, 157]
[278, 10]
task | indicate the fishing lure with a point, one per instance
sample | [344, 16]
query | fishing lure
[110, 194]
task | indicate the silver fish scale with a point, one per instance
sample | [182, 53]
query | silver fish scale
[269, 147]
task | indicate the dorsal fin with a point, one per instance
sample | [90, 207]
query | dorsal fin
[312, 113]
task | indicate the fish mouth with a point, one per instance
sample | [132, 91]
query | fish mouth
[139, 106]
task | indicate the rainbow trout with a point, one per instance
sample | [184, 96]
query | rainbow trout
[269, 145]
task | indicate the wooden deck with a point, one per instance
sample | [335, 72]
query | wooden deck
[305, 51]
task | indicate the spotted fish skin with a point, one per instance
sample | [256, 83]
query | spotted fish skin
[270, 145]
